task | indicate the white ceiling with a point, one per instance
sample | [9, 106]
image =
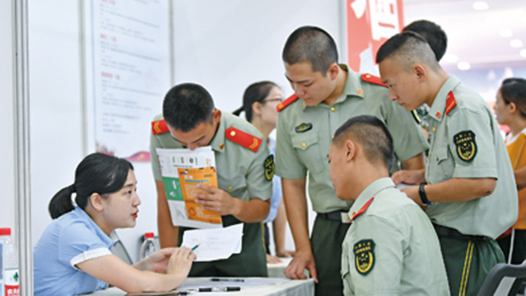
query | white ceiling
[474, 35]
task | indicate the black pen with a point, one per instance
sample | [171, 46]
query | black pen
[226, 280]
[220, 289]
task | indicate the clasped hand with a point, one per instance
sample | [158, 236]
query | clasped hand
[216, 200]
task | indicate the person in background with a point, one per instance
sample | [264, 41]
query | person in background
[259, 105]
[468, 183]
[437, 40]
[326, 95]
[510, 109]
[244, 175]
[73, 254]
[432, 33]
[391, 247]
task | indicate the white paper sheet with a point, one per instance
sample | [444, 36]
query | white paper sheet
[214, 244]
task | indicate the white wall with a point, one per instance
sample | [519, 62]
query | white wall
[227, 45]
[7, 180]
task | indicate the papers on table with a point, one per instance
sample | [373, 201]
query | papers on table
[214, 244]
[182, 170]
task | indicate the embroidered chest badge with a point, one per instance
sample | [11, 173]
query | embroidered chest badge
[466, 145]
[303, 127]
[364, 256]
[269, 167]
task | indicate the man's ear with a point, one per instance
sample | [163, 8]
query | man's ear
[333, 71]
[216, 116]
[350, 148]
[97, 202]
[420, 72]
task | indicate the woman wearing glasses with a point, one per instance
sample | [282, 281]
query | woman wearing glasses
[259, 104]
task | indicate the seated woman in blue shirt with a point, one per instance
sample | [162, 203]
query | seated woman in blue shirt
[73, 255]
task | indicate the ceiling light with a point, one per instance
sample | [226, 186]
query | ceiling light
[493, 20]
[523, 53]
[516, 43]
[463, 66]
[505, 33]
[480, 5]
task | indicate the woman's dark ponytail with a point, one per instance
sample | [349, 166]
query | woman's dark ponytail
[61, 202]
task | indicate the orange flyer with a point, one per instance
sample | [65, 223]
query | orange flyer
[189, 178]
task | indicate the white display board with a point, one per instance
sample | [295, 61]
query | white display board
[128, 71]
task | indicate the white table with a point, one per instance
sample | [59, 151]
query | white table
[250, 287]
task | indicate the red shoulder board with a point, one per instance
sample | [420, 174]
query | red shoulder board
[159, 127]
[373, 79]
[244, 139]
[287, 102]
[362, 210]
[451, 103]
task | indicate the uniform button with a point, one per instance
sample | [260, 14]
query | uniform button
[233, 133]
[428, 156]
[434, 129]
[303, 144]
[359, 92]
[221, 146]
[229, 187]
[438, 114]
[333, 109]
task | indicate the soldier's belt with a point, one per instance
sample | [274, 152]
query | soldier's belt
[340, 216]
[443, 231]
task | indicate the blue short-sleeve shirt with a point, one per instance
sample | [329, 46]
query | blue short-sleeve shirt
[69, 240]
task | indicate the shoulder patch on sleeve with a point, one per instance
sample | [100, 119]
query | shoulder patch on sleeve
[451, 103]
[269, 167]
[287, 102]
[364, 256]
[466, 145]
[372, 79]
[159, 127]
[244, 139]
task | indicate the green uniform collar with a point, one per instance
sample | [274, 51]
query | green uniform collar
[438, 109]
[218, 141]
[370, 191]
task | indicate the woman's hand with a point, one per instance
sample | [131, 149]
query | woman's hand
[180, 262]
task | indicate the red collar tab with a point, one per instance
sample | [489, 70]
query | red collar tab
[451, 103]
[159, 127]
[362, 210]
[287, 102]
[373, 79]
[244, 139]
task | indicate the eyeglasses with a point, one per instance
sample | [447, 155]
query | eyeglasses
[273, 100]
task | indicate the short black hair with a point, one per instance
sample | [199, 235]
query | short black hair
[432, 33]
[313, 45]
[187, 105]
[514, 90]
[256, 92]
[410, 47]
[372, 134]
